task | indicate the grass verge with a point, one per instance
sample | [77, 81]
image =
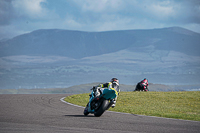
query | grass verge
[179, 105]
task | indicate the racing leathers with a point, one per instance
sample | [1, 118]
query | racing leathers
[109, 85]
[144, 84]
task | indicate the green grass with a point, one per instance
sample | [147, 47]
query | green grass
[178, 105]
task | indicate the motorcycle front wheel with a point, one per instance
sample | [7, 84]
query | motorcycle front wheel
[102, 108]
[85, 112]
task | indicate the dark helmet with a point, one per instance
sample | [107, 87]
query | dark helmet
[114, 80]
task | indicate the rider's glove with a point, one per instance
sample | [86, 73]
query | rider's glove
[100, 85]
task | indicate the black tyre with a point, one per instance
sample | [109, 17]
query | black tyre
[85, 112]
[102, 108]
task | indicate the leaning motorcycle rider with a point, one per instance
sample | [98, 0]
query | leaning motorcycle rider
[113, 84]
[144, 84]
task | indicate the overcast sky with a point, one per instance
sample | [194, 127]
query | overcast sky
[23, 16]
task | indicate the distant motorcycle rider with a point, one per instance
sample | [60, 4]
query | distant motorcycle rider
[113, 84]
[142, 85]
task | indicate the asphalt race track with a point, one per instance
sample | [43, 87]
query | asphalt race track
[46, 113]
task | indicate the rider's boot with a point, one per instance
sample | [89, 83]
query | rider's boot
[114, 102]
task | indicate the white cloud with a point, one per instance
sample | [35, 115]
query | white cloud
[6, 12]
[99, 6]
[71, 23]
[161, 12]
[18, 16]
[30, 8]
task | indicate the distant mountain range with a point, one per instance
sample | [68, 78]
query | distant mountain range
[62, 58]
[77, 44]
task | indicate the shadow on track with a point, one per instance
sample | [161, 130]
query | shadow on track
[79, 116]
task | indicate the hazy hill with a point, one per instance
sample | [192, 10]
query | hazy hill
[86, 88]
[74, 44]
[77, 44]
[54, 58]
